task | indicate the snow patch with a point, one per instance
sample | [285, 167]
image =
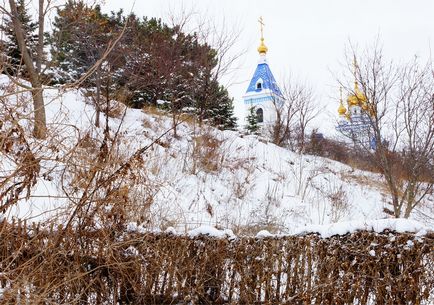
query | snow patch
[212, 232]
[170, 230]
[399, 225]
[264, 234]
[134, 228]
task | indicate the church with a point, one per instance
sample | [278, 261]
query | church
[263, 96]
[263, 93]
[354, 121]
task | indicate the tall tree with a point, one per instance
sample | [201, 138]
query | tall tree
[401, 107]
[35, 76]
[11, 47]
[152, 62]
[81, 37]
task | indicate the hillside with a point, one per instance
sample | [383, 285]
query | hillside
[201, 177]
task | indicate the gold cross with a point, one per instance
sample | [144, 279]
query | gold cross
[355, 65]
[261, 22]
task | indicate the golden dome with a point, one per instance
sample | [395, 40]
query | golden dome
[352, 100]
[262, 49]
[358, 98]
[342, 110]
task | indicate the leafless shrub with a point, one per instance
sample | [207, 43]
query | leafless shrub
[205, 152]
[21, 167]
[339, 204]
[293, 115]
[243, 180]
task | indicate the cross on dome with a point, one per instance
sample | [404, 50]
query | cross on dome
[262, 49]
[263, 79]
[261, 22]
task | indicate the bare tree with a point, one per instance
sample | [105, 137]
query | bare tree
[34, 69]
[307, 111]
[222, 38]
[283, 127]
[293, 115]
[415, 113]
[400, 104]
[218, 61]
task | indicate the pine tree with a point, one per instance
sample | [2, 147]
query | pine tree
[11, 48]
[252, 121]
[62, 42]
[80, 37]
[221, 111]
[152, 62]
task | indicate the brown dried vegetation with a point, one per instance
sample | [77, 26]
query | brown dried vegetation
[110, 266]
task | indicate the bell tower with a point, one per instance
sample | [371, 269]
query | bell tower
[263, 93]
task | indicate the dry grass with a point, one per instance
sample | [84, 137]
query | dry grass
[207, 152]
[252, 229]
[152, 110]
[368, 182]
[114, 109]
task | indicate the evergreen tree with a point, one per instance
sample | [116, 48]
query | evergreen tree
[252, 121]
[212, 101]
[221, 111]
[81, 35]
[67, 65]
[151, 62]
[143, 76]
[11, 48]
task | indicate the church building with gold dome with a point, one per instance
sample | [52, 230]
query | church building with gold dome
[263, 92]
[355, 119]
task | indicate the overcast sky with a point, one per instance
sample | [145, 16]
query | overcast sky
[307, 38]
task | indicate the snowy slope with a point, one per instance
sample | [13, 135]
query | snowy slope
[205, 176]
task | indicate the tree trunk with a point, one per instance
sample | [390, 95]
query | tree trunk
[98, 96]
[410, 199]
[40, 124]
[301, 135]
[40, 47]
[174, 125]
[40, 127]
[391, 183]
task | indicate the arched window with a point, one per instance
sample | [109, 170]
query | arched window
[259, 86]
[260, 115]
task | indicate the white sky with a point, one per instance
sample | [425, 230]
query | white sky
[307, 38]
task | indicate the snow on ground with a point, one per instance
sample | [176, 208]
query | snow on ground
[214, 178]
[211, 231]
[398, 225]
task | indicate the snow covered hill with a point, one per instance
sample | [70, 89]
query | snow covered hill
[201, 177]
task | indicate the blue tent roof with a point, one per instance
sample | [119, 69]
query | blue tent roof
[268, 81]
